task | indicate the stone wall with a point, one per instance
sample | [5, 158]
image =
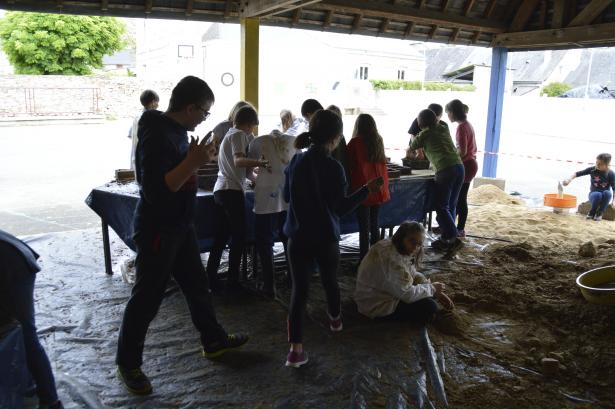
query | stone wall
[60, 95]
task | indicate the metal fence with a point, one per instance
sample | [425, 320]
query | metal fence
[18, 101]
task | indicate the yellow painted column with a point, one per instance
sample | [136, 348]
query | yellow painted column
[249, 60]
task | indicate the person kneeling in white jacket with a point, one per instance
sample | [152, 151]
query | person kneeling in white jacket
[388, 285]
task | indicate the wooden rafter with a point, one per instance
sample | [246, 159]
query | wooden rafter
[563, 37]
[189, 7]
[490, 8]
[426, 17]
[148, 6]
[523, 15]
[227, 8]
[432, 32]
[328, 19]
[590, 13]
[475, 37]
[296, 17]
[445, 5]
[263, 8]
[454, 35]
[356, 23]
[422, 4]
[59, 3]
[543, 14]
[559, 13]
[468, 7]
[104, 5]
[409, 28]
[384, 25]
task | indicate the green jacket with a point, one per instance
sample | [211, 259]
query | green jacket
[438, 146]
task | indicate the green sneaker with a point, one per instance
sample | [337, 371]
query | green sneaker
[218, 348]
[135, 380]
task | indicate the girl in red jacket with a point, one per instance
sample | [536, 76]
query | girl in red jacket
[366, 160]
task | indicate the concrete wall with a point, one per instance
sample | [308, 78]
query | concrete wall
[59, 95]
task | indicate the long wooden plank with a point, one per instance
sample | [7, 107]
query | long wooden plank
[424, 17]
[599, 34]
[523, 15]
[590, 13]
[468, 7]
[262, 8]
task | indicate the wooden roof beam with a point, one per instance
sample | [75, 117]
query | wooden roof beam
[590, 13]
[189, 7]
[104, 5]
[227, 8]
[523, 15]
[490, 8]
[148, 6]
[409, 28]
[384, 25]
[262, 8]
[598, 34]
[356, 23]
[468, 7]
[424, 17]
[328, 19]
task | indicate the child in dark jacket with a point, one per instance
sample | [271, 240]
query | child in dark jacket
[602, 180]
[315, 189]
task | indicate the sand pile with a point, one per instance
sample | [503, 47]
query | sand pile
[537, 226]
[489, 194]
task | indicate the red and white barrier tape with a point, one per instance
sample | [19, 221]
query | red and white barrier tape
[519, 155]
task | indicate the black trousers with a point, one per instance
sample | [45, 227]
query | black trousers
[229, 223]
[369, 232]
[420, 312]
[158, 256]
[462, 206]
[303, 256]
[265, 228]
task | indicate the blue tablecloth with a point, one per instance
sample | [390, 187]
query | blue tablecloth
[14, 374]
[115, 204]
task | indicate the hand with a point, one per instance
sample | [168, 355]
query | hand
[201, 152]
[375, 184]
[566, 182]
[264, 163]
[445, 300]
[439, 287]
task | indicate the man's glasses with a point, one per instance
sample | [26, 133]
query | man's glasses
[206, 113]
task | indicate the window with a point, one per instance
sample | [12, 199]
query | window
[401, 74]
[362, 73]
[185, 51]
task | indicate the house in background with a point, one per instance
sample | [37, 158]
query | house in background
[294, 64]
[528, 71]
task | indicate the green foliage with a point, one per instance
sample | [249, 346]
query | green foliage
[418, 85]
[396, 84]
[555, 89]
[40, 44]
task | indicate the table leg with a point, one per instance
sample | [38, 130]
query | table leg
[106, 247]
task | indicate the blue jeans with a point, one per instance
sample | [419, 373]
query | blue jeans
[448, 183]
[600, 201]
[21, 301]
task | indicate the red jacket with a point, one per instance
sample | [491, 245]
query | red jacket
[362, 171]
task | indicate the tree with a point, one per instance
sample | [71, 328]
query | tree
[555, 89]
[37, 43]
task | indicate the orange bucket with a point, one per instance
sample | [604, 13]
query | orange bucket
[566, 202]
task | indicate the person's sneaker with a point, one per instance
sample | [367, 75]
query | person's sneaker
[296, 359]
[438, 245]
[461, 233]
[598, 217]
[455, 245]
[335, 324]
[135, 380]
[55, 405]
[218, 348]
[436, 230]
[589, 216]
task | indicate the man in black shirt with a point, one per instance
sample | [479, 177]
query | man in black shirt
[164, 230]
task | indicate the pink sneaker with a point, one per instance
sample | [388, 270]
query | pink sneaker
[296, 359]
[335, 324]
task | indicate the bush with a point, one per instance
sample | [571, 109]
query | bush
[418, 85]
[555, 89]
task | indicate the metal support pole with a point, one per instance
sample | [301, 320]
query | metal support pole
[494, 112]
